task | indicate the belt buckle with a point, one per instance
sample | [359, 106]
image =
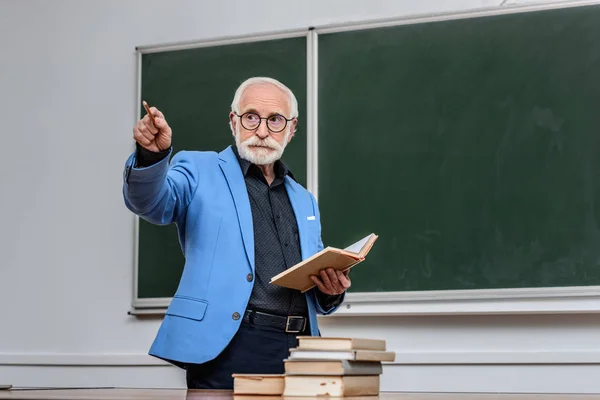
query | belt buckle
[293, 317]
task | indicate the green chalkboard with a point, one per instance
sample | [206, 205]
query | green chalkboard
[194, 89]
[472, 147]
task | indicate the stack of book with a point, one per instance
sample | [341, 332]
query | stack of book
[324, 367]
[336, 367]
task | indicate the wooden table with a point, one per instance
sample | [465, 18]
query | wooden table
[182, 394]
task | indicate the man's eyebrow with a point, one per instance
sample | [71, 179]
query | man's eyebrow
[251, 109]
[254, 110]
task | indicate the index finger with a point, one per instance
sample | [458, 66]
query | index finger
[325, 278]
[319, 283]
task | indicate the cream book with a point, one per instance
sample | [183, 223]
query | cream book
[332, 386]
[332, 367]
[339, 343]
[256, 384]
[298, 276]
[353, 355]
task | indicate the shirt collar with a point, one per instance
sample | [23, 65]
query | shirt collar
[281, 170]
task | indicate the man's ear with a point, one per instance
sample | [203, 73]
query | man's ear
[232, 122]
[293, 129]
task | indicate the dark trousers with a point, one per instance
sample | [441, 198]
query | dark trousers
[253, 350]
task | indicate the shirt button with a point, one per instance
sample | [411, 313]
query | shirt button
[236, 316]
[249, 277]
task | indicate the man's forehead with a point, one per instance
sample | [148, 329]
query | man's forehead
[261, 95]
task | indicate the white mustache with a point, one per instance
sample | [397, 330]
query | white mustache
[259, 151]
[267, 142]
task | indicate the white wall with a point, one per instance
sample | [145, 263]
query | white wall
[67, 101]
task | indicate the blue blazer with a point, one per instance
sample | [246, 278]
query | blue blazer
[205, 195]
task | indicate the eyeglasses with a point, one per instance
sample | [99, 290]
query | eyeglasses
[275, 122]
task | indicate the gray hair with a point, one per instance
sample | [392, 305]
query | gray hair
[235, 104]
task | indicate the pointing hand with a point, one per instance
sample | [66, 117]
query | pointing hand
[153, 133]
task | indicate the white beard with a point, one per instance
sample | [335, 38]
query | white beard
[269, 152]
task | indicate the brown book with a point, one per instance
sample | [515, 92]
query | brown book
[339, 343]
[298, 276]
[352, 355]
[334, 386]
[332, 367]
[256, 384]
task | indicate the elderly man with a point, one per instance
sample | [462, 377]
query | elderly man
[241, 219]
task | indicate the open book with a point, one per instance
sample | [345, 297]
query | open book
[298, 276]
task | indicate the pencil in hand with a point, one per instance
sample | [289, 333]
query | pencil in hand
[149, 112]
[152, 131]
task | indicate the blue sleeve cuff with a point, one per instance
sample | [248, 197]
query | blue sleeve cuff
[328, 301]
[327, 304]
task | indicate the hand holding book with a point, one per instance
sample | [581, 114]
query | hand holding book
[300, 276]
[332, 281]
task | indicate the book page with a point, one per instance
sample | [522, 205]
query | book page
[356, 247]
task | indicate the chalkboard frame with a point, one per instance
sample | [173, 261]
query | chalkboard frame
[584, 299]
[574, 299]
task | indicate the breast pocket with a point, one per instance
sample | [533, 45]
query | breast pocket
[313, 232]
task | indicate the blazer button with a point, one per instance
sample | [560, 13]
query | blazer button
[236, 316]
[249, 277]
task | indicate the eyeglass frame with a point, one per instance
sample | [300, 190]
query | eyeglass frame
[265, 118]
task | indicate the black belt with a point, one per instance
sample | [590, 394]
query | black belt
[289, 324]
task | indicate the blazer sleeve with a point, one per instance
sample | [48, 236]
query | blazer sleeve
[161, 192]
[325, 304]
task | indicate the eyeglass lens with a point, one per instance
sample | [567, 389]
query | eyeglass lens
[275, 122]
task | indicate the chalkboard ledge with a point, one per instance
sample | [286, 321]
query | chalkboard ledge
[147, 312]
[557, 300]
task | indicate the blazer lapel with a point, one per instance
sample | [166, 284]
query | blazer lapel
[235, 179]
[293, 194]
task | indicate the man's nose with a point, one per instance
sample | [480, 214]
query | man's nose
[262, 131]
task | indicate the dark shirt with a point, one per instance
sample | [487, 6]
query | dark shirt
[276, 238]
